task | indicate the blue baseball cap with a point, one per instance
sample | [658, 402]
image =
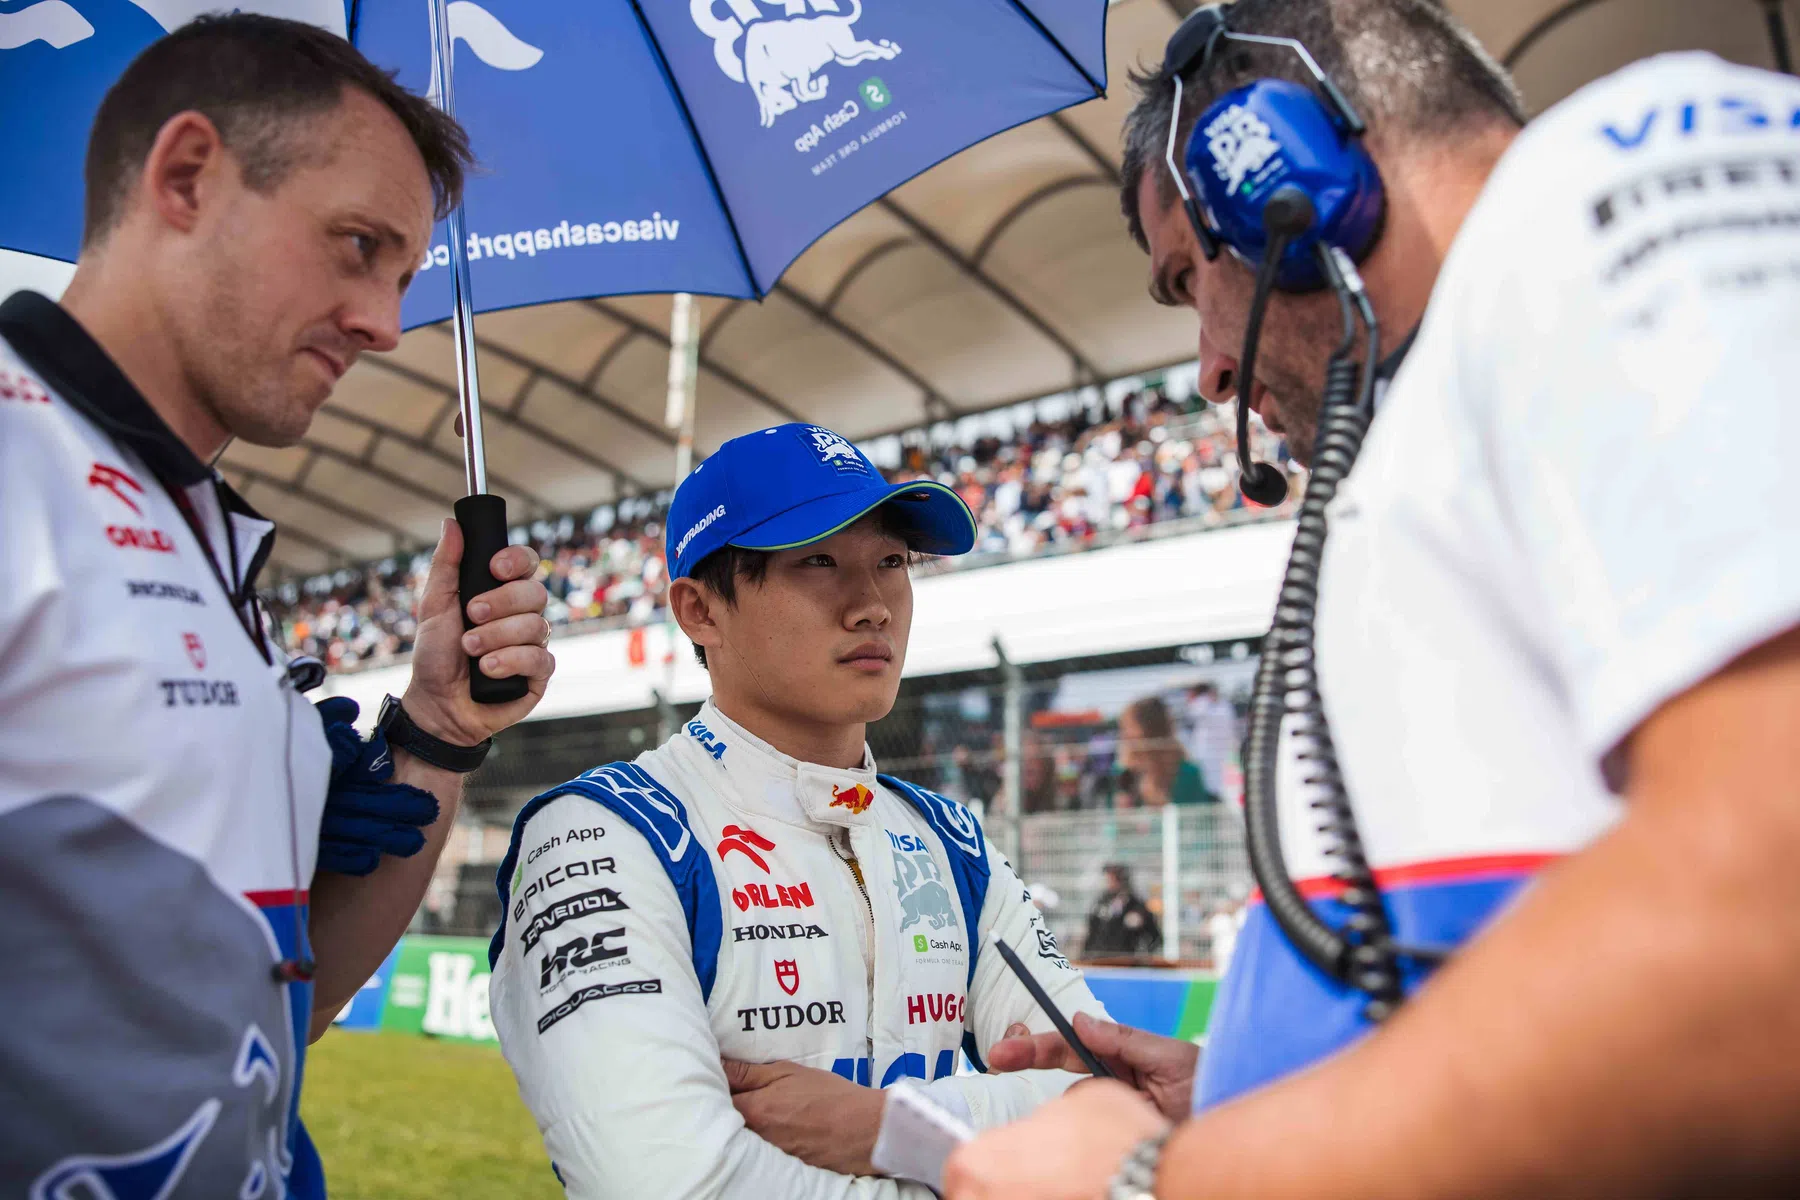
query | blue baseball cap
[797, 484]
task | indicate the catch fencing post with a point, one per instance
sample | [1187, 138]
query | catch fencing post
[1171, 882]
[1012, 700]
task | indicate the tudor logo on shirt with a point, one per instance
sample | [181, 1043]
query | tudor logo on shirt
[741, 839]
[787, 975]
[196, 651]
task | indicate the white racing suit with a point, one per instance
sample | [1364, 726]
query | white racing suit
[715, 897]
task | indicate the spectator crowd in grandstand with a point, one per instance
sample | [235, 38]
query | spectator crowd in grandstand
[1082, 480]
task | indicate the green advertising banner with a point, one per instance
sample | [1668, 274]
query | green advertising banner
[438, 987]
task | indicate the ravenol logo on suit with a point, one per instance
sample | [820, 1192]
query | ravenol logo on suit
[783, 53]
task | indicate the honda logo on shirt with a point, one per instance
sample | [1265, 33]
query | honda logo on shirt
[741, 840]
[196, 652]
[787, 974]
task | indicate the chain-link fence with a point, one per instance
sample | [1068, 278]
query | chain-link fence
[1127, 760]
[1091, 871]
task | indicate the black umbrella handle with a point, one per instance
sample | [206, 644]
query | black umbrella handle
[483, 521]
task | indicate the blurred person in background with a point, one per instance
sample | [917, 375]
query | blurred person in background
[1210, 732]
[197, 868]
[1561, 694]
[713, 959]
[1154, 761]
[1120, 924]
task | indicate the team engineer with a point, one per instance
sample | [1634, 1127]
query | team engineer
[1557, 647]
[258, 197]
[752, 888]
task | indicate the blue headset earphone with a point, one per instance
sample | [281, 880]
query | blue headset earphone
[1272, 156]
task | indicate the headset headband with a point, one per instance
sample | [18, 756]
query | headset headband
[1198, 36]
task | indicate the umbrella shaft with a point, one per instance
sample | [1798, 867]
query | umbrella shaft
[468, 376]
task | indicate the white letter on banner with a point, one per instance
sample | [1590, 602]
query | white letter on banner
[447, 1001]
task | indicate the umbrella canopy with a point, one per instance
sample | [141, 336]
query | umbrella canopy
[701, 145]
[57, 58]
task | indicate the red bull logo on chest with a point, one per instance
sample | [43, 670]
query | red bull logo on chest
[856, 798]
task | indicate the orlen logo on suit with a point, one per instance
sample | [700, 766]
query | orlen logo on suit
[761, 895]
[934, 1006]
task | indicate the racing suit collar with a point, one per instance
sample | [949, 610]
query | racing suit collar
[768, 783]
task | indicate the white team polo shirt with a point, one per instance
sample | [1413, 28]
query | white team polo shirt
[1576, 502]
[161, 786]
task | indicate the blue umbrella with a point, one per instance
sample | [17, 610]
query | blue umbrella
[650, 146]
[701, 145]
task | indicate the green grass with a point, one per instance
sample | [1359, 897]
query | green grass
[397, 1116]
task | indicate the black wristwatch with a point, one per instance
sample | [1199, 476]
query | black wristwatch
[397, 727]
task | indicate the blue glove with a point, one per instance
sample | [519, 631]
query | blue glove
[366, 816]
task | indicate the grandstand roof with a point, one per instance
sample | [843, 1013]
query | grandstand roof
[998, 276]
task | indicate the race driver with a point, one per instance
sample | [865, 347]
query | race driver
[1558, 649]
[753, 889]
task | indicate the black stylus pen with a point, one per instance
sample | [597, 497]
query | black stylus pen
[1095, 1067]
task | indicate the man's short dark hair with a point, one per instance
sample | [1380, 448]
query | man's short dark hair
[259, 80]
[721, 569]
[1407, 66]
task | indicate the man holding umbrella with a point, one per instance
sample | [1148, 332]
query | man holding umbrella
[197, 868]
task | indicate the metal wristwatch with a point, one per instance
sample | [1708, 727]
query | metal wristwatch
[393, 724]
[1137, 1174]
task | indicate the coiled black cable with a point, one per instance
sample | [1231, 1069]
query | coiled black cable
[1363, 954]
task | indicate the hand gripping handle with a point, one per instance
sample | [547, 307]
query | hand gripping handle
[483, 521]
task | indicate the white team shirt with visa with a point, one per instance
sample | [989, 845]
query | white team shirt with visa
[700, 901]
[1576, 502]
[149, 860]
